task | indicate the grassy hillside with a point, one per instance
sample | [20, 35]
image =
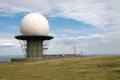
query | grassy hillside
[82, 68]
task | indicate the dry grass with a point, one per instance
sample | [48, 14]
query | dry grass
[82, 68]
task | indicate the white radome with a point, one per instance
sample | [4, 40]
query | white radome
[34, 24]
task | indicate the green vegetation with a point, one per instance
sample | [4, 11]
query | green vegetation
[82, 68]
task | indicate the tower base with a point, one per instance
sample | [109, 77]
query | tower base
[34, 49]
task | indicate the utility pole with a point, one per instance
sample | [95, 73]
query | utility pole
[74, 49]
[81, 53]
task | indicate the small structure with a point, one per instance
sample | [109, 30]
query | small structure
[59, 56]
[34, 30]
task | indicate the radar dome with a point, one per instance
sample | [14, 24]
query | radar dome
[34, 24]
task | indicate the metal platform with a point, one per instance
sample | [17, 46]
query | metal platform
[33, 37]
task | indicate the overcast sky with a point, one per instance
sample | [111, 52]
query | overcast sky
[92, 25]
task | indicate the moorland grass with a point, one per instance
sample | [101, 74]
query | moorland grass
[82, 68]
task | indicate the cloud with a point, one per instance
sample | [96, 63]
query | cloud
[82, 39]
[8, 8]
[8, 45]
[114, 4]
[8, 40]
[91, 12]
[97, 36]
[96, 13]
[87, 44]
[103, 15]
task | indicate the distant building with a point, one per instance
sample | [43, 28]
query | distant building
[58, 56]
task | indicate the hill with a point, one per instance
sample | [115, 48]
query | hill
[82, 68]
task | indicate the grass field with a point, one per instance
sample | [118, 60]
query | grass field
[82, 68]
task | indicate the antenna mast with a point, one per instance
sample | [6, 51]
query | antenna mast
[74, 49]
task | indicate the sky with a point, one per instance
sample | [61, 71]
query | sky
[93, 26]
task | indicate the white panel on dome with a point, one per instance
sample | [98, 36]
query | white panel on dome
[34, 24]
